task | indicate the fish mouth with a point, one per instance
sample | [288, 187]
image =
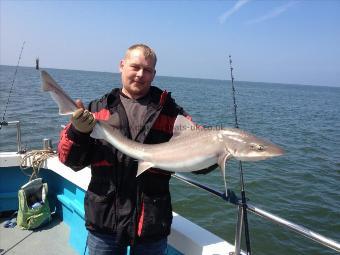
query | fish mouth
[273, 151]
[276, 151]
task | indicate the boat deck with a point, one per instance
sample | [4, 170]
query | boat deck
[66, 192]
[50, 239]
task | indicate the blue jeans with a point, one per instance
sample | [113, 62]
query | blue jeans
[102, 244]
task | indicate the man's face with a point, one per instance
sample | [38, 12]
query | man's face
[137, 73]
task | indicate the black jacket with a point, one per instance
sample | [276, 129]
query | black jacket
[116, 202]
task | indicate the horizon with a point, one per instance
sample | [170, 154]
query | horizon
[281, 41]
[180, 77]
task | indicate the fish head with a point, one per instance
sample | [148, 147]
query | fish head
[247, 147]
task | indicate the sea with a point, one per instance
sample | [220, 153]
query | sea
[302, 186]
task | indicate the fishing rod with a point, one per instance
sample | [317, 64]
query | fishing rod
[3, 122]
[243, 193]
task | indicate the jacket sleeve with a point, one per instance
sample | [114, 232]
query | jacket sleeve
[74, 148]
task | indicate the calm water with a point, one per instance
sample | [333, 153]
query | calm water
[301, 186]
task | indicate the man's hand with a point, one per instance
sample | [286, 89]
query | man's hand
[83, 120]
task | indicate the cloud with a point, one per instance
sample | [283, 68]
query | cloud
[233, 10]
[273, 14]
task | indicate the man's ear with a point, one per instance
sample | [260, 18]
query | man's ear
[121, 65]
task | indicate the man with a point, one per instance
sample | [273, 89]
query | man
[120, 209]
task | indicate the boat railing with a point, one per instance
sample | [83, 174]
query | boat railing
[15, 123]
[230, 197]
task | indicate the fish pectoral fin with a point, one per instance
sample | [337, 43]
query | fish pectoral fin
[222, 159]
[143, 166]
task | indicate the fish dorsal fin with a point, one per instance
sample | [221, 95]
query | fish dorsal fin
[182, 126]
[114, 120]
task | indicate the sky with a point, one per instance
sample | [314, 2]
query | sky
[294, 42]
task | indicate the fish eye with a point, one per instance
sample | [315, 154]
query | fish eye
[260, 147]
[257, 147]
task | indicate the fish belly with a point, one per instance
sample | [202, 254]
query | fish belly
[188, 165]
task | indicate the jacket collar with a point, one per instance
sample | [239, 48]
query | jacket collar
[157, 97]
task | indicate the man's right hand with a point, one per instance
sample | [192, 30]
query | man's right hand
[83, 120]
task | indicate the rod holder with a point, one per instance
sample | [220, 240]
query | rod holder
[47, 144]
[17, 124]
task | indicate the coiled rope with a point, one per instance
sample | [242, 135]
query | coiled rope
[35, 160]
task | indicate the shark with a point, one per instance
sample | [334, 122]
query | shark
[191, 147]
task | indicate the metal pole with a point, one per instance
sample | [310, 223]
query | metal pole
[325, 241]
[19, 136]
[199, 185]
[238, 232]
[17, 124]
[295, 227]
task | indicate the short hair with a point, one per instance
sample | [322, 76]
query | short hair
[148, 52]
